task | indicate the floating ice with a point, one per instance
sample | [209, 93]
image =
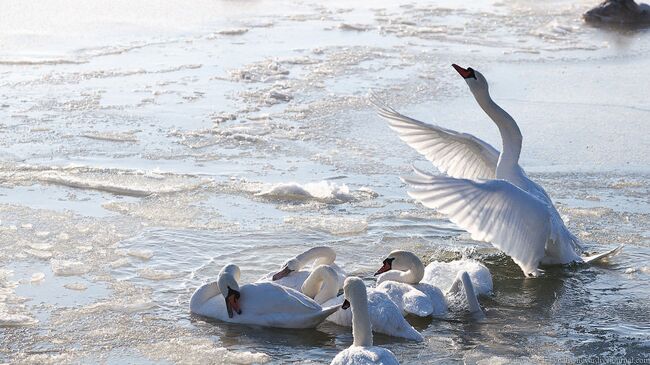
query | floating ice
[37, 277]
[153, 274]
[199, 351]
[142, 254]
[323, 191]
[69, 268]
[76, 286]
[15, 320]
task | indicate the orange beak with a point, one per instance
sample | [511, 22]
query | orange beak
[232, 303]
[465, 73]
[385, 267]
[284, 272]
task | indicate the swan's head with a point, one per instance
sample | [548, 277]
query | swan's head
[227, 282]
[474, 79]
[354, 291]
[288, 267]
[400, 260]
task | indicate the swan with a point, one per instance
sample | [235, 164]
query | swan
[486, 192]
[385, 316]
[262, 304]
[443, 274]
[619, 12]
[362, 352]
[402, 273]
[292, 274]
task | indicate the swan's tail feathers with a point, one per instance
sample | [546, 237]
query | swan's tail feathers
[410, 333]
[603, 256]
[329, 311]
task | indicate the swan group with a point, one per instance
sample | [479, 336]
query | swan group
[485, 192]
[399, 291]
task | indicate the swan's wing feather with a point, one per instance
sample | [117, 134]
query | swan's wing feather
[458, 155]
[493, 211]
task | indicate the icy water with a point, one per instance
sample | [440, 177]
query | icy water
[142, 147]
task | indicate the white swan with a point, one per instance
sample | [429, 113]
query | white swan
[385, 316]
[400, 278]
[406, 269]
[262, 304]
[292, 274]
[487, 193]
[362, 352]
[443, 274]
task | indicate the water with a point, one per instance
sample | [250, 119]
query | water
[144, 147]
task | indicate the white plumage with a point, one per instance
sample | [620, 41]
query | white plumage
[486, 192]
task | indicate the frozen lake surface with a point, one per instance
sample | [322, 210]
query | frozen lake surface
[142, 148]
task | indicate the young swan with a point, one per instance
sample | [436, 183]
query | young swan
[385, 316]
[362, 352]
[292, 274]
[261, 304]
[405, 267]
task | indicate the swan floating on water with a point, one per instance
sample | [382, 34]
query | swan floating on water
[293, 275]
[262, 304]
[619, 12]
[486, 192]
[362, 352]
[401, 278]
[385, 316]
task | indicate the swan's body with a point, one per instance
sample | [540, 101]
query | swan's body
[443, 274]
[619, 12]
[293, 275]
[262, 304]
[362, 352]
[417, 300]
[401, 278]
[385, 316]
[486, 192]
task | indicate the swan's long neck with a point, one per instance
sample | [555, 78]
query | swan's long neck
[361, 327]
[321, 284]
[464, 279]
[321, 255]
[228, 277]
[407, 268]
[474, 307]
[510, 134]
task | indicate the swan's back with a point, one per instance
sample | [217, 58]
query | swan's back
[294, 280]
[359, 355]
[407, 298]
[385, 316]
[443, 274]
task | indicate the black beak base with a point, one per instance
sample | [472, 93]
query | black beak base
[346, 304]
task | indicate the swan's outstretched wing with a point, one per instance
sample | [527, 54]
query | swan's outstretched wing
[493, 211]
[458, 155]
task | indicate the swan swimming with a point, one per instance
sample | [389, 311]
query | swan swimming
[486, 192]
[262, 304]
[405, 269]
[362, 352]
[292, 274]
[385, 316]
